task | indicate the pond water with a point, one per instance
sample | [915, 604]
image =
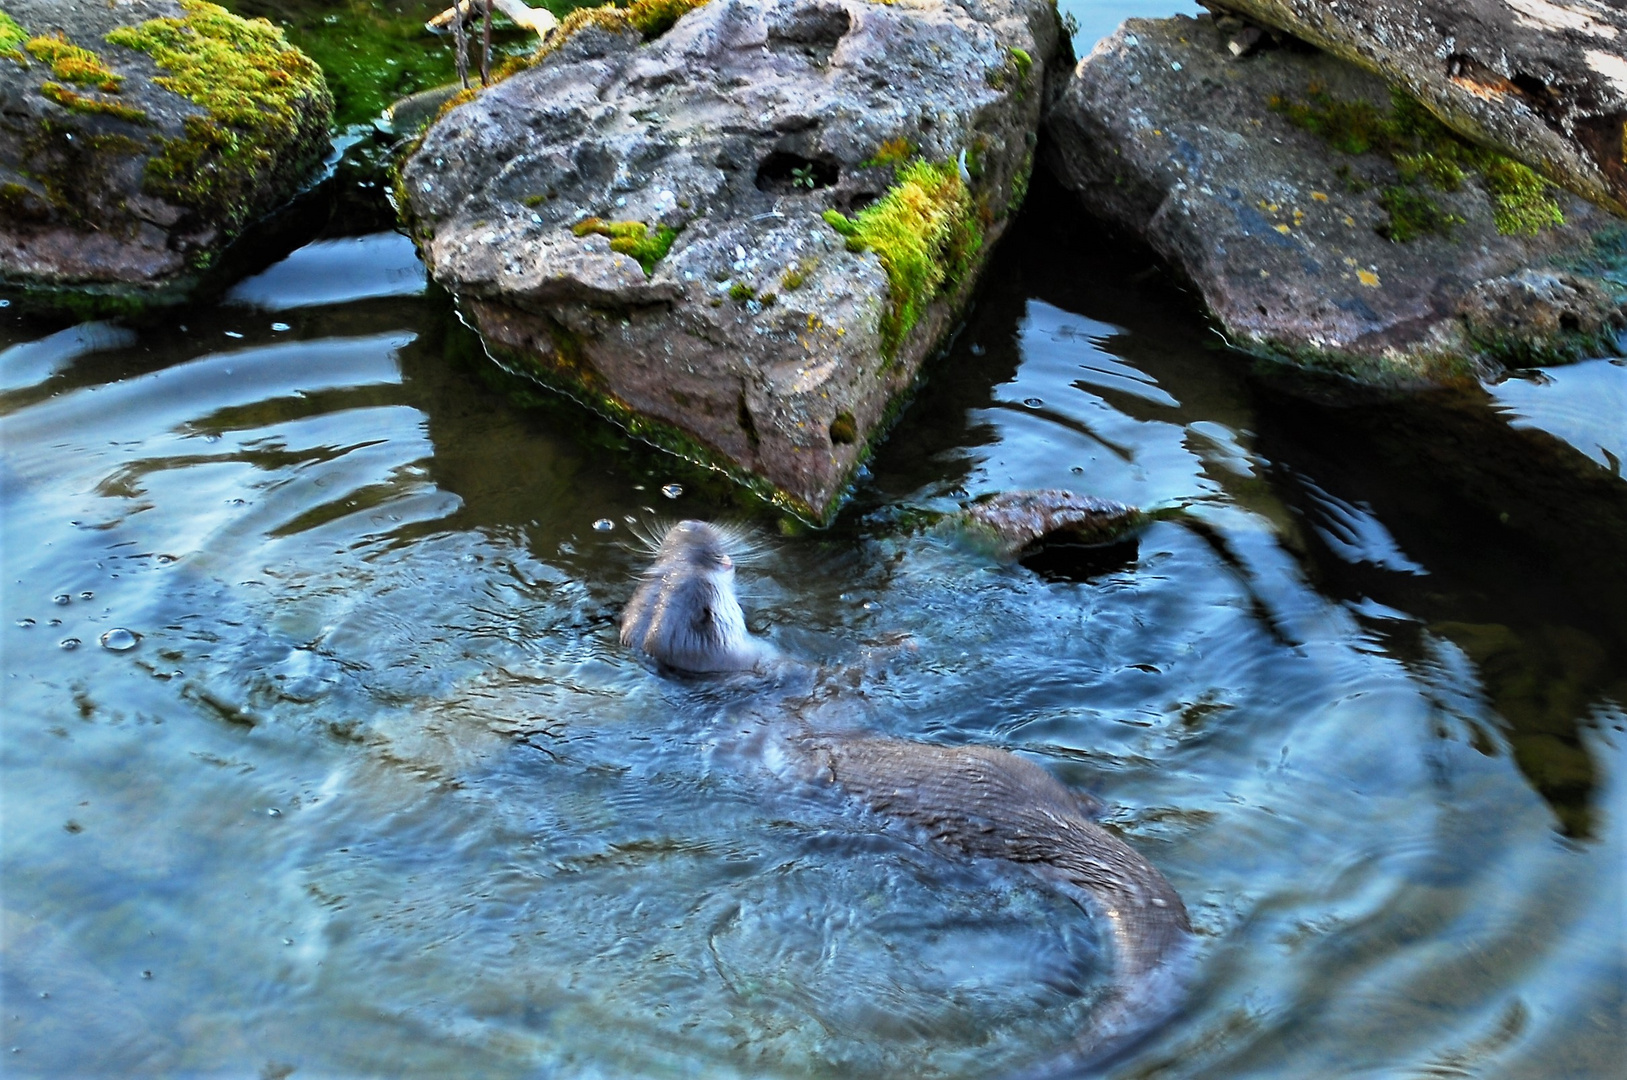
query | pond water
[319, 755]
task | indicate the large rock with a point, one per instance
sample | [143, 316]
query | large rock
[1240, 172]
[1545, 81]
[137, 139]
[766, 340]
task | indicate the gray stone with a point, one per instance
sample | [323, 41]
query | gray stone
[117, 191]
[757, 343]
[1015, 521]
[1163, 131]
[1545, 81]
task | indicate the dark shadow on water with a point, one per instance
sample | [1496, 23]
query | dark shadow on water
[1519, 541]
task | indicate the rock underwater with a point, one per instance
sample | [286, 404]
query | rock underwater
[1327, 220]
[138, 139]
[741, 235]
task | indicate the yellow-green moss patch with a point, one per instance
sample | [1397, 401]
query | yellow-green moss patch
[91, 104]
[12, 36]
[266, 103]
[890, 154]
[632, 238]
[1427, 154]
[925, 232]
[71, 63]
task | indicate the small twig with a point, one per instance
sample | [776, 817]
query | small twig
[485, 45]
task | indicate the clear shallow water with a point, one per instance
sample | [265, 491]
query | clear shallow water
[376, 793]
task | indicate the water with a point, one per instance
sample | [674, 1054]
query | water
[350, 777]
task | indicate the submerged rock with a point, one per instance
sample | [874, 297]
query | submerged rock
[137, 139]
[1544, 81]
[741, 237]
[1015, 521]
[1327, 221]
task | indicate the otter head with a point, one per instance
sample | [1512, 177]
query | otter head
[684, 614]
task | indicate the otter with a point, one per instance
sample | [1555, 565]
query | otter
[684, 614]
[983, 802]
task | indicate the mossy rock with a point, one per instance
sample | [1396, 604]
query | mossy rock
[139, 140]
[752, 286]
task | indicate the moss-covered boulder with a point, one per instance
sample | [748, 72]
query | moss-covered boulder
[738, 228]
[1542, 81]
[1327, 218]
[138, 139]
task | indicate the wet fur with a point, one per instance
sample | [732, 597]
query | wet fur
[984, 802]
[684, 614]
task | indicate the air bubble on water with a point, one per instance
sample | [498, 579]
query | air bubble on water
[25, 623]
[165, 560]
[119, 639]
[603, 525]
[672, 491]
[1033, 402]
[273, 812]
[68, 644]
[87, 595]
[236, 502]
[146, 974]
[54, 622]
[280, 327]
[870, 605]
[61, 598]
[1077, 470]
[287, 941]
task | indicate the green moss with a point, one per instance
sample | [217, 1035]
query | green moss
[890, 154]
[1019, 183]
[74, 64]
[925, 232]
[1426, 153]
[796, 276]
[90, 104]
[1022, 60]
[533, 201]
[12, 36]
[632, 238]
[266, 110]
[844, 430]
[1414, 214]
[742, 293]
[1520, 199]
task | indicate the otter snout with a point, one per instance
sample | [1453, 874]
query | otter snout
[684, 614]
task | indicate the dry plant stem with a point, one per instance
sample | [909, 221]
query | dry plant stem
[460, 44]
[485, 44]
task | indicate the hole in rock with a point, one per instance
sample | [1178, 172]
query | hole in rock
[783, 171]
[811, 29]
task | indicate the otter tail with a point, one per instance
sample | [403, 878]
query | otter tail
[1152, 941]
[994, 804]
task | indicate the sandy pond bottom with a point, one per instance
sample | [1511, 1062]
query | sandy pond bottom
[319, 753]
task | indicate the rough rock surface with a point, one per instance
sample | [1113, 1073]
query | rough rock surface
[1545, 81]
[1014, 521]
[116, 189]
[758, 342]
[1164, 132]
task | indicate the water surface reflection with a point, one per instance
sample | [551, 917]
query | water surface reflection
[377, 793]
